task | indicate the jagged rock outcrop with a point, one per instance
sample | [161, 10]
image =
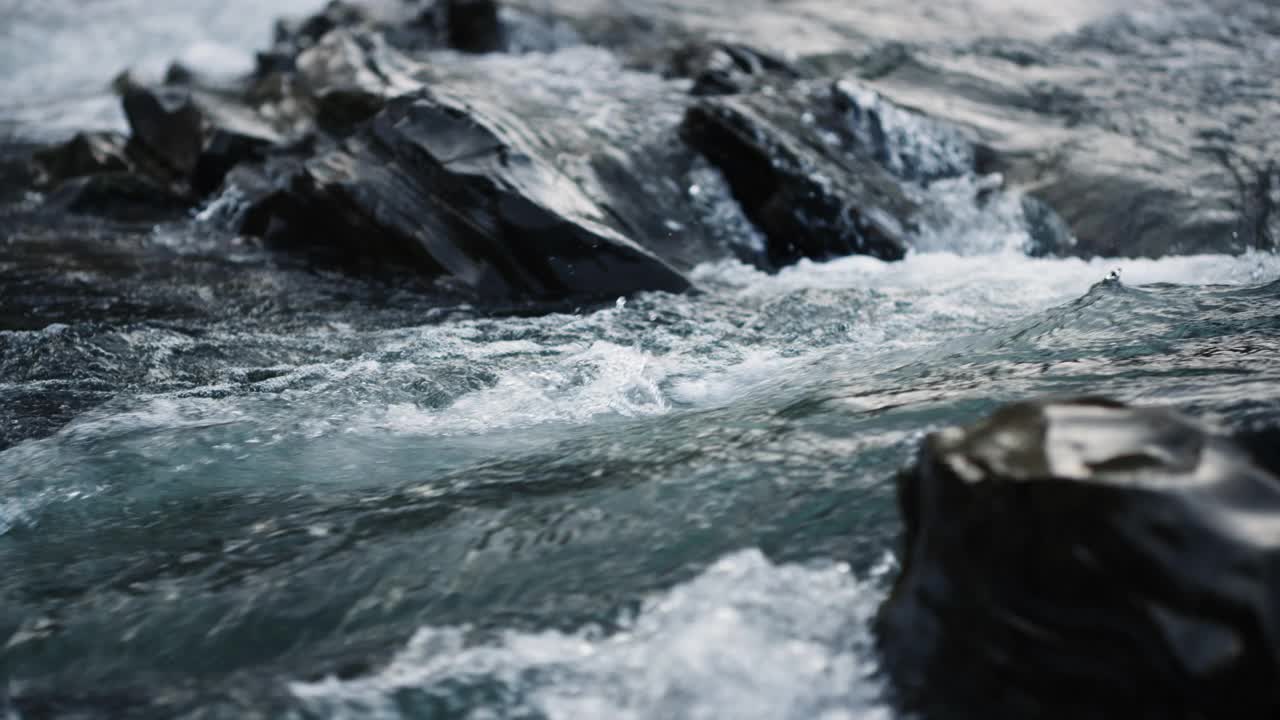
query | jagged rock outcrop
[790, 167]
[1087, 559]
[442, 186]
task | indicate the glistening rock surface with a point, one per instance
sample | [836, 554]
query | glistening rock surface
[1087, 559]
[455, 190]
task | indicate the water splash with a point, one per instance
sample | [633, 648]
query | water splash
[747, 639]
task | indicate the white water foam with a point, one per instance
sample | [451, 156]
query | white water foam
[653, 356]
[747, 640]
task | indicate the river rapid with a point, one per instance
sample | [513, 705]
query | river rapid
[231, 486]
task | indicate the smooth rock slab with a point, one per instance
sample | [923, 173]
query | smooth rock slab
[1087, 559]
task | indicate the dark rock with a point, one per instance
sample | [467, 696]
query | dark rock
[785, 158]
[728, 68]
[349, 75]
[473, 25]
[437, 184]
[911, 145]
[19, 172]
[167, 122]
[296, 35]
[84, 154]
[1087, 559]
[223, 150]
[125, 196]
[1142, 146]
[1049, 233]
[191, 139]
[1117, 121]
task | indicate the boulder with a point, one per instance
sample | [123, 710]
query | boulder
[86, 153]
[349, 75]
[1083, 558]
[908, 144]
[191, 139]
[475, 26]
[437, 184]
[165, 122]
[1144, 130]
[794, 168]
[471, 25]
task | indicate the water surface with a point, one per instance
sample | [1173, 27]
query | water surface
[233, 486]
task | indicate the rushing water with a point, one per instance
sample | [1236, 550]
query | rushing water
[235, 487]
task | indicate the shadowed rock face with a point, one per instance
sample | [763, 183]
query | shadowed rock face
[1087, 559]
[797, 180]
[459, 191]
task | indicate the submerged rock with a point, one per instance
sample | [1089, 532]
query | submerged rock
[440, 185]
[1087, 559]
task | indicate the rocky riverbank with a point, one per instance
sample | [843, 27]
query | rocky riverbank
[427, 136]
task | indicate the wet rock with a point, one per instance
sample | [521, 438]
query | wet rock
[85, 154]
[125, 196]
[440, 185]
[167, 123]
[349, 76]
[1048, 232]
[471, 25]
[191, 139]
[728, 68]
[1087, 559]
[1144, 144]
[790, 163]
[474, 26]
[909, 144]
[1145, 131]
[93, 174]
[19, 173]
